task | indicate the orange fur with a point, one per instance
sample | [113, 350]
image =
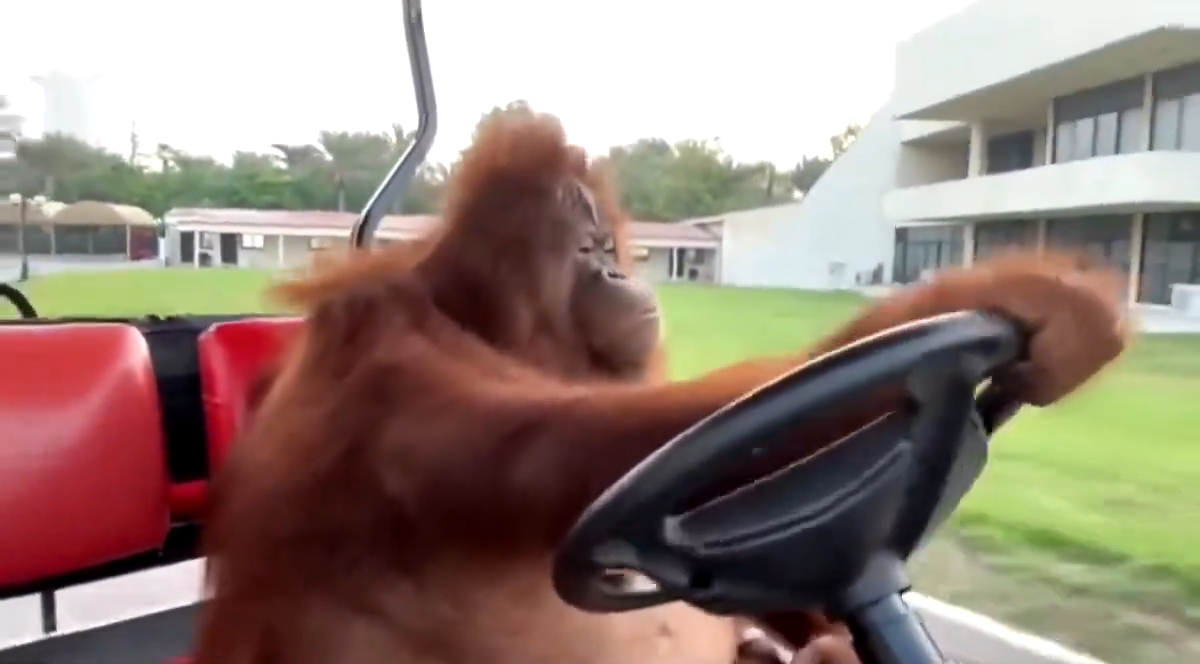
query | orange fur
[435, 431]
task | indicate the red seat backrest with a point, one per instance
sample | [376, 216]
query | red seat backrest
[83, 473]
[233, 357]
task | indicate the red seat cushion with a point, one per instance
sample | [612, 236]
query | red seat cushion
[83, 473]
[233, 357]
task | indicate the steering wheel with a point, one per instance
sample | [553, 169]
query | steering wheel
[832, 532]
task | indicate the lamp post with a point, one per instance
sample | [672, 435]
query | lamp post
[22, 204]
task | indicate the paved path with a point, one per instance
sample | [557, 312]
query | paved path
[967, 637]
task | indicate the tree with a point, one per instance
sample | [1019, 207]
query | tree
[53, 158]
[840, 142]
[810, 168]
[339, 170]
[806, 173]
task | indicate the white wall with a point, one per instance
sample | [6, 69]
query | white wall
[995, 40]
[919, 164]
[753, 249]
[1119, 183]
[834, 233]
[656, 267]
[841, 219]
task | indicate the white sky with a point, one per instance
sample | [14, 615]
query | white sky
[771, 78]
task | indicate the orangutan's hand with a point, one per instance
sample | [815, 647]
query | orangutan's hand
[1075, 317]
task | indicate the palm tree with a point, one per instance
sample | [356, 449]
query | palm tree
[299, 157]
[344, 153]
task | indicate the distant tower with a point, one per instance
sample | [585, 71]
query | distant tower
[69, 105]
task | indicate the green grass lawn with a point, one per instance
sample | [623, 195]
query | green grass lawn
[1100, 495]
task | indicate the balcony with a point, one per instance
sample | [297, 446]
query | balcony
[1140, 182]
[1020, 58]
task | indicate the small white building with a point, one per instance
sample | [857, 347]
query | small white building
[206, 237]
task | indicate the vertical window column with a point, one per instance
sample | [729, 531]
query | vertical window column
[968, 244]
[1051, 133]
[977, 157]
[1136, 236]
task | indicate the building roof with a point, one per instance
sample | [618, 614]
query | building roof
[93, 213]
[83, 213]
[396, 226]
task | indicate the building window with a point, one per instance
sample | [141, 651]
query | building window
[1105, 238]
[923, 249]
[253, 241]
[995, 237]
[10, 238]
[1177, 109]
[1106, 133]
[38, 240]
[1131, 126]
[1170, 255]
[1177, 124]
[1165, 133]
[1064, 138]
[1099, 122]
[1010, 152]
[639, 254]
[208, 240]
[317, 243]
[109, 240]
[1189, 123]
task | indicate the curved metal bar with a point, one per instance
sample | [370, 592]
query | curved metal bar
[18, 300]
[401, 175]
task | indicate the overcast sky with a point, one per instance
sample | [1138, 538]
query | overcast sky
[771, 78]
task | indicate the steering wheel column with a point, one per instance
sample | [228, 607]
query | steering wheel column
[832, 532]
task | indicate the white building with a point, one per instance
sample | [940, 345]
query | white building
[1040, 123]
[206, 237]
[69, 105]
[778, 247]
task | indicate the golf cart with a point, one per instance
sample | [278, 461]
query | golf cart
[111, 428]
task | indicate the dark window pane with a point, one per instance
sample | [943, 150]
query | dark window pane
[993, 237]
[1106, 238]
[1106, 134]
[37, 239]
[109, 241]
[9, 244]
[1166, 125]
[1114, 97]
[72, 240]
[924, 249]
[1169, 255]
[1178, 82]
[1133, 123]
[1010, 152]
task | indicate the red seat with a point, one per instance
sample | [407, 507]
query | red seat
[233, 356]
[83, 473]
